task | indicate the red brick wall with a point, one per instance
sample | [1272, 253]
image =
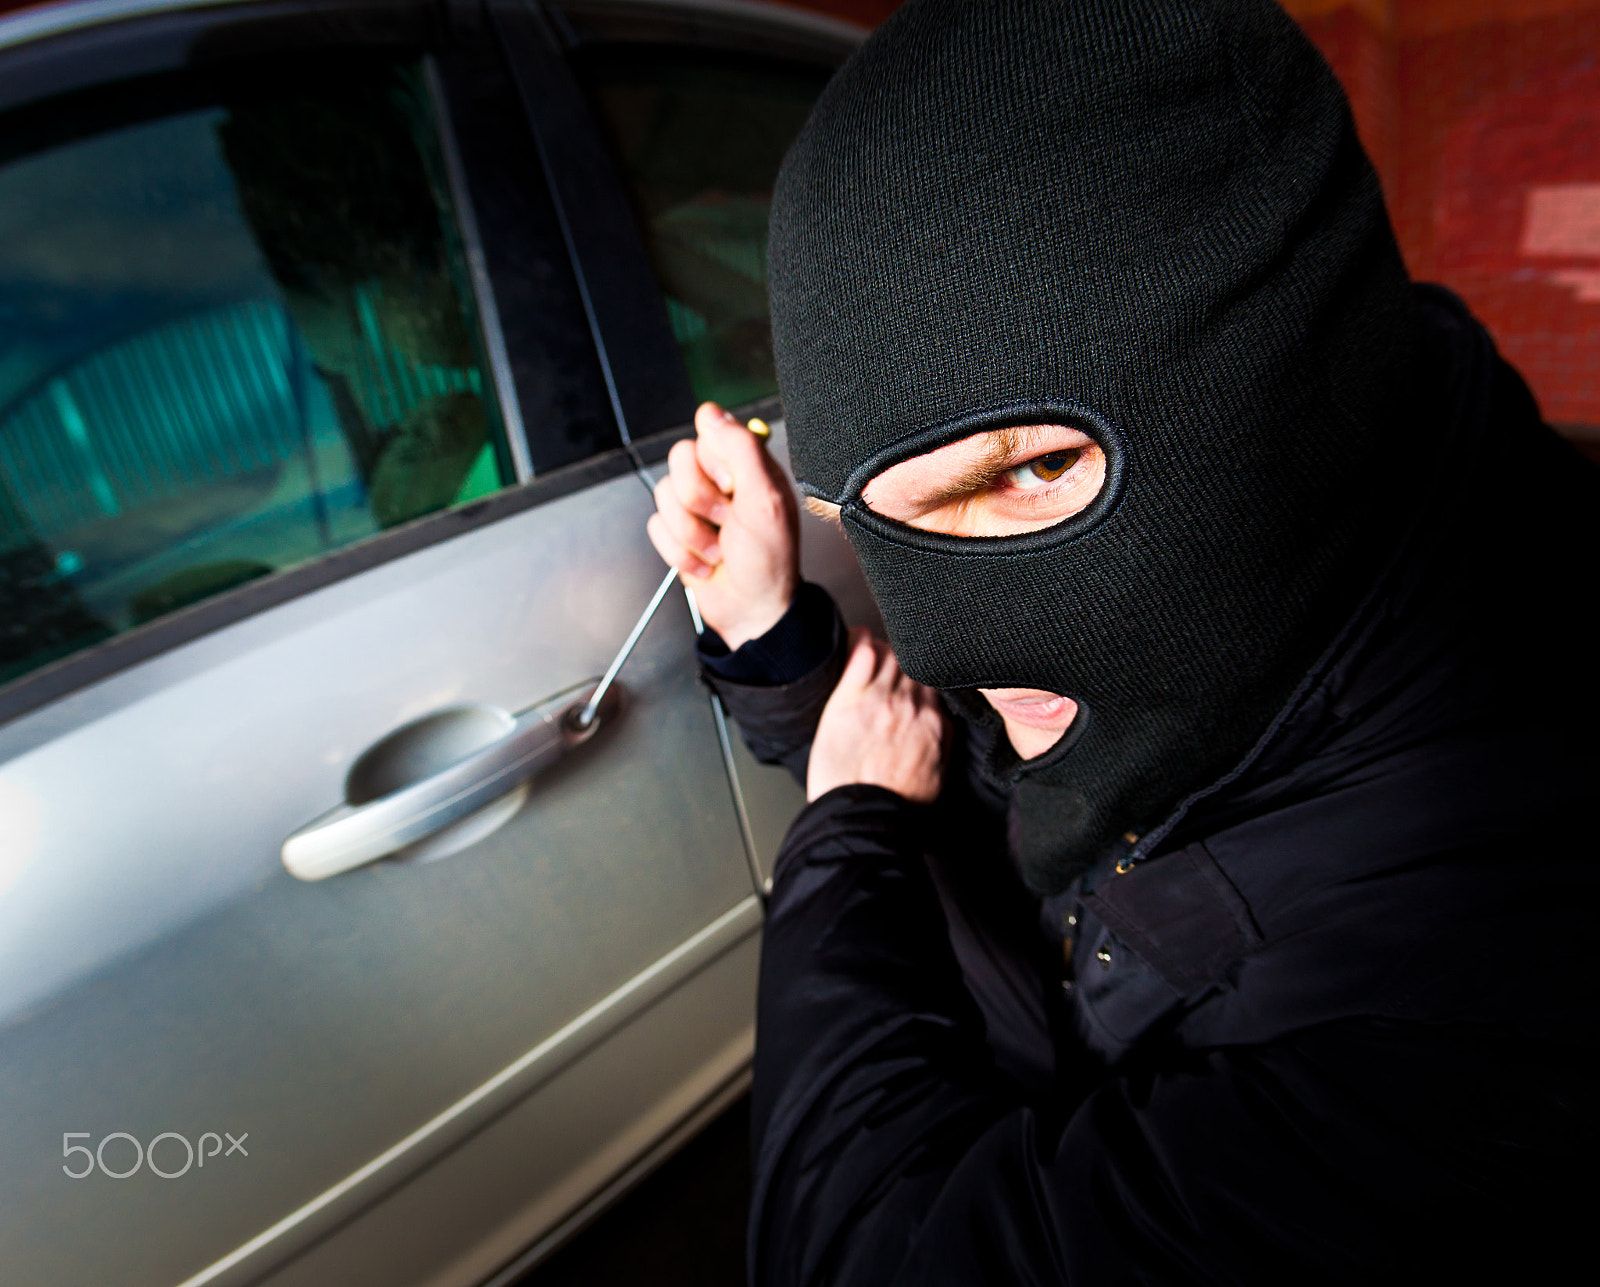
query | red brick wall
[1497, 193]
[1483, 117]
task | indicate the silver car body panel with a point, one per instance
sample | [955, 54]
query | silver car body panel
[544, 1014]
[393, 1255]
[162, 972]
[597, 1121]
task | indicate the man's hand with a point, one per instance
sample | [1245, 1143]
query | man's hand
[727, 520]
[879, 727]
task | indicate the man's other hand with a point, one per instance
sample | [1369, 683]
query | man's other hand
[726, 519]
[880, 727]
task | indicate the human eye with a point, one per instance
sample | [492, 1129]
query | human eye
[1042, 470]
[995, 483]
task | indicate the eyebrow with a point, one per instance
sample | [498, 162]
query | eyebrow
[998, 450]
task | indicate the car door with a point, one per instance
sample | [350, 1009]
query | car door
[314, 482]
[651, 53]
[696, 107]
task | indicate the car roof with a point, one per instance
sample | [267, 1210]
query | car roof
[24, 20]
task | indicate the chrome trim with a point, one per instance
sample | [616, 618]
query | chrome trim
[349, 836]
[74, 15]
[494, 340]
[515, 1081]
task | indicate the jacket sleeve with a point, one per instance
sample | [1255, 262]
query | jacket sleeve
[887, 1150]
[776, 686]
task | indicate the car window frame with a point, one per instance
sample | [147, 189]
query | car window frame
[725, 26]
[718, 26]
[647, 381]
[82, 49]
[541, 37]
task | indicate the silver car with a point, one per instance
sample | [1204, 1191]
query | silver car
[339, 342]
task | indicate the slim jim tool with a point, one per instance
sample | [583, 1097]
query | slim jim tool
[586, 716]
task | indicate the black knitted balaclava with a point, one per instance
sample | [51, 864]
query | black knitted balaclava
[1149, 219]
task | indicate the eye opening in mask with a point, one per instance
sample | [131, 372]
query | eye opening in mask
[1006, 486]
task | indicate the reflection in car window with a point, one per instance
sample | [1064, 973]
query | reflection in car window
[231, 340]
[699, 139]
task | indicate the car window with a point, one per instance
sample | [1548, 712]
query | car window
[233, 337]
[698, 139]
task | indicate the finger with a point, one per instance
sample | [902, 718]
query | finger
[707, 415]
[885, 667]
[694, 534]
[890, 677]
[735, 459]
[697, 492]
[672, 551]
[863, 661]
[710, 421]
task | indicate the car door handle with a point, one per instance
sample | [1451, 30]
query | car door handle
[432, 773]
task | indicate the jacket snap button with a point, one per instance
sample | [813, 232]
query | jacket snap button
[1103, 955]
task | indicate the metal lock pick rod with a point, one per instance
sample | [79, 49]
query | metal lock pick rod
[586, 716]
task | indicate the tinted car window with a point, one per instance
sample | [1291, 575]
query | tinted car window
[698, 138]
[232, 338]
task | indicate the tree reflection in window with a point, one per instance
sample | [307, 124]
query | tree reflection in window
[231, 339]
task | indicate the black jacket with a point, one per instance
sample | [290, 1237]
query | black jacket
[1340, 1026]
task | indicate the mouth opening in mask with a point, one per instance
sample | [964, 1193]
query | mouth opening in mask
[1005, 762]
[1035, 719]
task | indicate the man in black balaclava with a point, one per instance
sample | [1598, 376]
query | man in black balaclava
[1245, 933]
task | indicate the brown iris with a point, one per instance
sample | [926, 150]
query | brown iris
[1049, 468]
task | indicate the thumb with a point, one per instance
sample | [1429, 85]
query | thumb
[861, 663]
